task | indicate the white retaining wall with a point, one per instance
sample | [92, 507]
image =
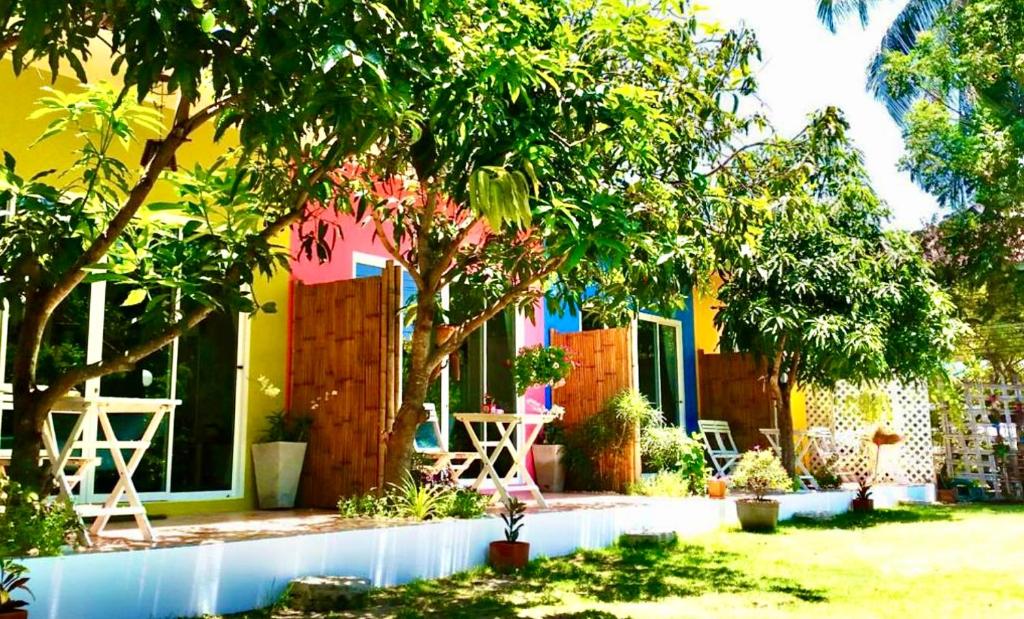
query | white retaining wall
[228, 577]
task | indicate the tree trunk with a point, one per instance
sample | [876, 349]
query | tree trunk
[28, 419]
[786, 428]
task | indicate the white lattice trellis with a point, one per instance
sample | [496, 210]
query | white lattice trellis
[909, 461]
[989, 411]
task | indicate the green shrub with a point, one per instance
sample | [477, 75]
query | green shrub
[663, 483]
[464, 503]
[629, 406]
[669, 449]
[33, 527]
[826, 475]
[367, 505]
[760, 472]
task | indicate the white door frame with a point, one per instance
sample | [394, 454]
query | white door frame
[678, 326]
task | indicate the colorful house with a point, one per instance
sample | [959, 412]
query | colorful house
[234, 370]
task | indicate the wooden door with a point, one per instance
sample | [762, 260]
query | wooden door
[345, 373]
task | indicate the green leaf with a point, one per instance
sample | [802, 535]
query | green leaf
[134, 297]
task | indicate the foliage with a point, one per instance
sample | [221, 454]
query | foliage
[668, 449]
[32, 526]
[515, 512]
[824, 293]
[825, 474]
[423, 499]
[624, 414]
[552, 148]
[863, 490]
[540, 365]
[12, 580]
[760, 472]
[301, 82]
[287, 427]
[665, 483]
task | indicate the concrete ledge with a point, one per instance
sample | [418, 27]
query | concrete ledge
[221, 578]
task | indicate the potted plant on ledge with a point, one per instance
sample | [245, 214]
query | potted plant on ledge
[12, 579]
[548, 453]
[510, 554]
[760, 472]
[277, 459]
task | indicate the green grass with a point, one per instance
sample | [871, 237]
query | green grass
[963, 561]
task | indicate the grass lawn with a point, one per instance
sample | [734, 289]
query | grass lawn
[964, 561]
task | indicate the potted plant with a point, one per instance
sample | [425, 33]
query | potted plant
[717, 487]
[945, 491]
[863, 501]
[12, 579]
[538, 365]
[760, 472]
[277, 459]
[548, 452]
[510, 554]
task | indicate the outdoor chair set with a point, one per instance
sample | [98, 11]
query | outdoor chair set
[816, 444]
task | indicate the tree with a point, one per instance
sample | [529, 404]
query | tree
[823, 293]
[303, 84]
[901, 37]
[554, 146]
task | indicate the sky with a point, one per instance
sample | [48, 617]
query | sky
[805, 68]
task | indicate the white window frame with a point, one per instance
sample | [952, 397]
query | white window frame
[678, 326]
[94, 351]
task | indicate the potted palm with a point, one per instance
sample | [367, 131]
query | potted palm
[277, 459]
[760, 472]
[863, 502]
[12, 579]
[510, 554]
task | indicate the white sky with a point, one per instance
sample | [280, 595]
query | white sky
[806, 68]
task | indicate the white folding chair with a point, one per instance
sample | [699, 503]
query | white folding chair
[719, 444]
[428, 442]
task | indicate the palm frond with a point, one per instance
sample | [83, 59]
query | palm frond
[834, 12]
[916, 17]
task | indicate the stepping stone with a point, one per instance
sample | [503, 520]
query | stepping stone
[648, 538]
[328, 593]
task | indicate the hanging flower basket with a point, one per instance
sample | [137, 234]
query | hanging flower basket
[537, 366]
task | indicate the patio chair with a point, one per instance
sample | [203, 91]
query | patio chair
[428, 442]
[719, 444]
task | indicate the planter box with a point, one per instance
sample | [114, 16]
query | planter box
[14, 614]
[757, 516]
[547, 464]
[507, 557]
[277, 467]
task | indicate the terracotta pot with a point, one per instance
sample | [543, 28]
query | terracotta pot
[946, 495]
[507, 557]
[717, 488]
[759, 516]
[20, 613]
[862, 505]
[547, 462]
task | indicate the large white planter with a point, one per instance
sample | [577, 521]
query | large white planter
[547, 465]
[277, 466]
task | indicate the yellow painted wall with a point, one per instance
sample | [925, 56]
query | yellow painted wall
[706, 338]
[268, 341]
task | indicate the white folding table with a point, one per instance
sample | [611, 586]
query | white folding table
[506, 424]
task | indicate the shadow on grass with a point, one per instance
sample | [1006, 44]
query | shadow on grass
[615, 575]
[864, 520]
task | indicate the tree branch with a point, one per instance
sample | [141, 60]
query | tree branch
[390, 247]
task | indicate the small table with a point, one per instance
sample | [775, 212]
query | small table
[506, 425]
[95, 413]
[801, 446]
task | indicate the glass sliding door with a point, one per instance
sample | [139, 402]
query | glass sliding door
[658, 343]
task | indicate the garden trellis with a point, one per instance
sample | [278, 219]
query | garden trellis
[993, 415]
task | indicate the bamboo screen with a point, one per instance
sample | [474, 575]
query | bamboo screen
[604, 367]
[345, 347]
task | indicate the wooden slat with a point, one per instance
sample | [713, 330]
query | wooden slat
[733, 389]
[604, 368]
[344, 373]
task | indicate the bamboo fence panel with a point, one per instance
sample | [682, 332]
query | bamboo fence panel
[345, 374]
[733, 388]
[604, 368]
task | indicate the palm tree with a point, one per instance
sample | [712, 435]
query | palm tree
[916, 17]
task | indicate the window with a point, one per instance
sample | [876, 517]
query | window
[197, 452]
